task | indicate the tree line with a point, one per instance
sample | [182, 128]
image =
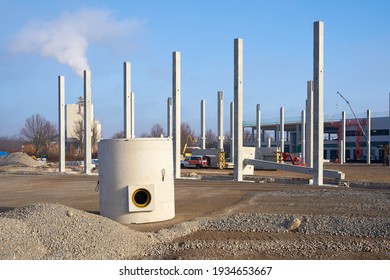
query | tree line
[41, 134]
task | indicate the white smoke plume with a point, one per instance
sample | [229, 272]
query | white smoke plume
[67, 37]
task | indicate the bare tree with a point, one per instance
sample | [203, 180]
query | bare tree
[10, 144]
[211, 139]
[156, 131]
[79, 134]
[186, 131]
[38, 131]
[49, 135]
[227, 144]
[120, 134]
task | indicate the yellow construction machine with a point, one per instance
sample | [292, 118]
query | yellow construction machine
[184, 153]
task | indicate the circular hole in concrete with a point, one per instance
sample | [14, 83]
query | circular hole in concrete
[141, 198]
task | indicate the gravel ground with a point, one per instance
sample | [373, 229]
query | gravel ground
[54, 231]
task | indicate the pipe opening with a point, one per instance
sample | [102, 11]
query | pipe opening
[141, 198]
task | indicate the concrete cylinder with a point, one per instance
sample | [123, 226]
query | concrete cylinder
[136, 180]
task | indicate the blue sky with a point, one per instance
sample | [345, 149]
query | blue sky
[277, 36]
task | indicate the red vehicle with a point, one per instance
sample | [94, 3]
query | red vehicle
[194, 161]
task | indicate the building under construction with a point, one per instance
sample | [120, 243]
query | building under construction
[356, 135]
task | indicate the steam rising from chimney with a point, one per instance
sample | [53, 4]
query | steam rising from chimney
[67, 37]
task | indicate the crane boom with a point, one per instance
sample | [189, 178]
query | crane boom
[360, 126]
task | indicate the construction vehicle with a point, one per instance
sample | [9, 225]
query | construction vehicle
[194, 161]
[184, 153]
[283, 157]
[358, 150]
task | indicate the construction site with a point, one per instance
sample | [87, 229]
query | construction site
[306, 194]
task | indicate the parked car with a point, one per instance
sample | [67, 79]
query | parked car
[194, 161]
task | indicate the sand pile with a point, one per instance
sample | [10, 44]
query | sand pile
[19, 159]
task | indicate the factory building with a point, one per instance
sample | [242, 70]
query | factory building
[355, 144]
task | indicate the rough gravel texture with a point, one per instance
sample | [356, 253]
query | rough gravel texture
[214, 220]
[54, 231]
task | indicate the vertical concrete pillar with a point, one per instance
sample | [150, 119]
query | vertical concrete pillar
[87, 122]
[342, 152]
[343, 136]
[232, 132]
[238, 106]
[127, 98]
[132, 133]
[203, 122]
[303, 136]
[309, 124]
[169, 117]
[258, 126]
[220, 120]
[176, 113]
[61, 124]
[318, 92]
[281, 129]
[368, 136]
[269, 142]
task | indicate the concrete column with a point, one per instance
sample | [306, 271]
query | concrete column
[61, 124]
[303, 136]
[342, 152]
[238, 106]
[309, 124]
[232, 132]
[176, 113]
[269, 142]
[220, 120]
[132, 133]
[87, 122]
[368, 136]
[169, 117]
[281, 129]
[343, 136]
[127, 98]
[318, 92]
[203, 123]
[258, 126]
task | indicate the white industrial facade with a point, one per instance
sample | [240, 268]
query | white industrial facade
[74, 115]
[355, 146]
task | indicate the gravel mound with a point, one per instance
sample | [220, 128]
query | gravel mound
[54, 231]
[18, 159]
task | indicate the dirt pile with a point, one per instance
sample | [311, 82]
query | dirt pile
[19, 159]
